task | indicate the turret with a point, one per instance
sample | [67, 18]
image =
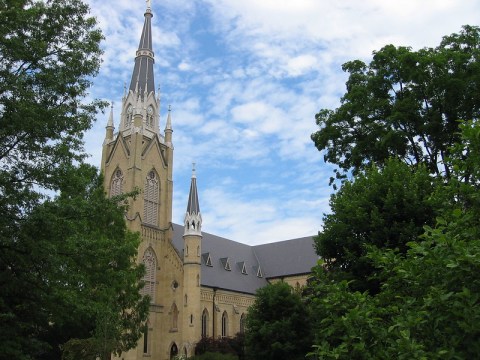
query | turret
[192, 240]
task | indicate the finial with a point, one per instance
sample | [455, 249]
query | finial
[149, 4]
[124, 89]
[169, 108]
[194, 175]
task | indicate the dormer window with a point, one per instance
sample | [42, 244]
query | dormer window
[206, 259]
[258, 270]
[242, 267]
[226, 263]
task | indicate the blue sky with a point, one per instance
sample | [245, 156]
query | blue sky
[245, 79]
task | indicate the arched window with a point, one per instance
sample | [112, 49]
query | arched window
[204, 323]
[129, 117]
[242, 324]
[150, 199]
[145, 341]
[224, 324]
[116, 185]
[173, 351]
[174, 317]
[150, 116]
[150, 262]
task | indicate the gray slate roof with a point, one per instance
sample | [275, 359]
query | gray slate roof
[142, 76]
[290, 257]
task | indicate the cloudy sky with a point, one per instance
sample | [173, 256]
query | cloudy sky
[245, 79]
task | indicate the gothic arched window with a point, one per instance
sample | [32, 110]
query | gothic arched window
[150, 199]
[150, 262]
[129, 117]
[116, 185]
[242, 324]
[174, 317]
[204, 323]
[224, 324]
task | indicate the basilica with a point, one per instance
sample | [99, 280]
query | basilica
[200, 285]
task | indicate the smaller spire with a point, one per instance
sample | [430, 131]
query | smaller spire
[110, 118]
[193, 217]
[193, 205]
[168, 125]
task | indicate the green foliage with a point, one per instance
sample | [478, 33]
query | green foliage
[405, 104]
[67, 264]
[72, 274]
[227, 345]
[427, 306]
[278, 324]
[386, 208]
[214, 356]
[49, 53]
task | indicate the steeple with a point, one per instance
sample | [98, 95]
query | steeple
[142, 77]
[139, 98]
[193, 217]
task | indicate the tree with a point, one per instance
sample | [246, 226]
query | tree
[234, 346]
[386, 208]
[427, 306]
[67, 264]
[405, 104]
[49, 51]
[278, 324]
[72, 276]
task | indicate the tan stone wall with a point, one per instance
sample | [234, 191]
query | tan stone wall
[295, 281]
[231, 303]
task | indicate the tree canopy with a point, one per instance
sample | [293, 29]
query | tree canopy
[278, 324]
[68, 269]
[404, 104]
[427, 306]
[386, 208]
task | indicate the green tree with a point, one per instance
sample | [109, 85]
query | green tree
[405, 104]
[386, 208]
[427, 306]
[49, 52]
[278, 324]
[71, 278]
[58, 263]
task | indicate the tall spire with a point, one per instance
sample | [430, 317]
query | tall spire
[142, 77]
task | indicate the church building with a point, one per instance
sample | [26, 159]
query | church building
[200, 285]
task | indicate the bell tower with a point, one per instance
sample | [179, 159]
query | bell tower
[137, 157]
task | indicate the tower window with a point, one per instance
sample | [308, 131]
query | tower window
[174, 317]
[151, 196]
[116, 186]
[145, 341]
[150, 262]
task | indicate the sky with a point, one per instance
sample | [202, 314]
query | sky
[245, 79]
